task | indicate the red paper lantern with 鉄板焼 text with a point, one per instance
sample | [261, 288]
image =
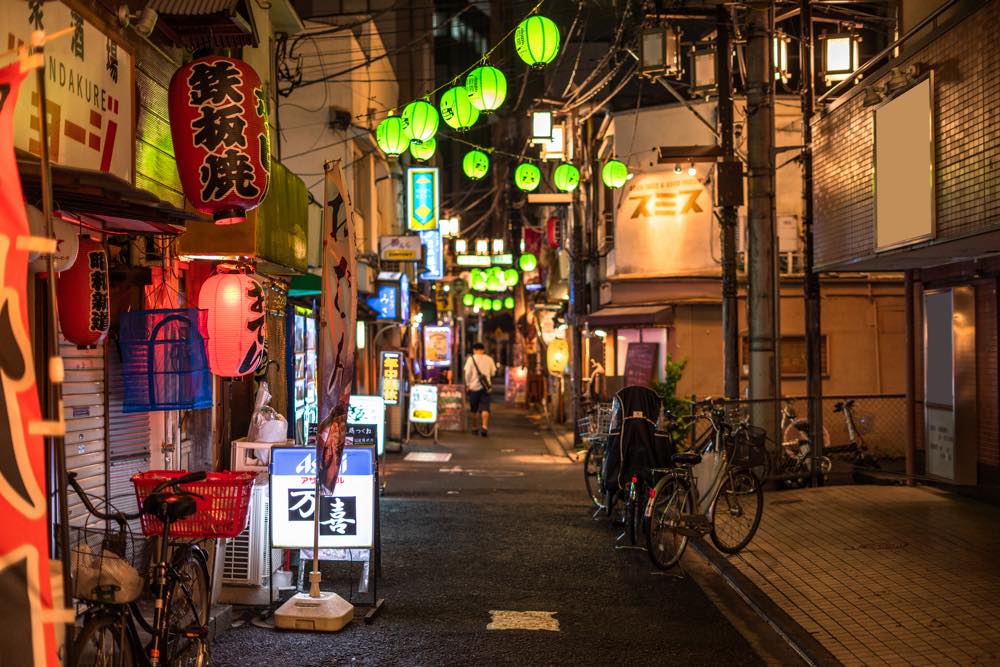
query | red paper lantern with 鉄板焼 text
[218, 121]
[82, 296]
[236, 330]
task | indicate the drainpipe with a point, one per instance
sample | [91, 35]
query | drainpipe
[911, 378]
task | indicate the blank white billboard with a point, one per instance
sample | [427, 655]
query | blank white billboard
[904, 168]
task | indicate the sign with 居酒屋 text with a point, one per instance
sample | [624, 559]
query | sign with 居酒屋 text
[88, 86]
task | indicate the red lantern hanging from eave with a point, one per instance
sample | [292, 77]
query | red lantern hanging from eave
[236, 329]
[218, 121]
[553, 232]
[82, 295]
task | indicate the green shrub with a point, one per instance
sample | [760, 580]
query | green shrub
[668, 394]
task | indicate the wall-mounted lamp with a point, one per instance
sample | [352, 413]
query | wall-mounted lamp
[781, 72]
[541, 127]
[660, 51]
[840, 55]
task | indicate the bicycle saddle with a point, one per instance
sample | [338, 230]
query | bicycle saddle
[686, 458]
[169, 507]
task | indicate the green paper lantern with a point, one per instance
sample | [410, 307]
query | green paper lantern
[497, 304]
[496, 272]
[493, 285]
[423, 151]
[510, 277]
[475, 275]
[487, 304]
[508, 303]
[391, 136]
[475, 164]
[537, 40]
[468, 299]
[614, 173]
[477, 302]
[420, 120]
[457, 110]
[566, 177]
[479, 285]
[487, 88]
[527, 177]
[527, 262]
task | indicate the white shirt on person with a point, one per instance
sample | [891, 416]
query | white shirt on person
[487, 367]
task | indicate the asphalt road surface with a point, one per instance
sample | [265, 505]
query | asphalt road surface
[504, 526]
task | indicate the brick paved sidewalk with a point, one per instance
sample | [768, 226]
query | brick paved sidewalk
[883, 575]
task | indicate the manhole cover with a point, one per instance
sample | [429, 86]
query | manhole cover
[881, 546]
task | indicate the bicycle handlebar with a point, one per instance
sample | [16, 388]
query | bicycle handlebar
[119, 517]
[186, 479]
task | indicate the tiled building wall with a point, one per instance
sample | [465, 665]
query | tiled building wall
[966, 68]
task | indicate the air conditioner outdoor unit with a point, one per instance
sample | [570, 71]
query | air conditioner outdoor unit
[247, 557]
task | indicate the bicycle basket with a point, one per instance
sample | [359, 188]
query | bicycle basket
[222, 512]
[105, 564]
[749, 446]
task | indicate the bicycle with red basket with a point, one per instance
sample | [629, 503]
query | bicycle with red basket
[178, 509]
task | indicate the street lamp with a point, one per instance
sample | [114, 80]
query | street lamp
[461, 246]
[840, 55]
[702, 70]
[660, 51]
[781, 72]
[541, 127]
[497, 246]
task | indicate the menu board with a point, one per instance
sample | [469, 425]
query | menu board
[451, 407]
[640, 363]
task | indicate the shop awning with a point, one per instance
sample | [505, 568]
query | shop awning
[619, 316]
[92, 196]
[308, 284]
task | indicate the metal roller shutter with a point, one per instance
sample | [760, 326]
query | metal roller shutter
[128, 439]
[84, 402]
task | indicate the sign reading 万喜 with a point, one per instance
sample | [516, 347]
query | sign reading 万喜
[422, 198]
[88, 89]
[391, 367]
[346, 518]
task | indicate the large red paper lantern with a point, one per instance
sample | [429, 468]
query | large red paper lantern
[218, 121]
[82, 295]
[236, 331]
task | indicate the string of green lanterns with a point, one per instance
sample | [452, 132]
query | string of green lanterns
[537, 42]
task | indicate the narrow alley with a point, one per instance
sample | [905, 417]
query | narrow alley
[504, 525]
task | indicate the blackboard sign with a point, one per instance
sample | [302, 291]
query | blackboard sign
[640, 363]
[451, 407]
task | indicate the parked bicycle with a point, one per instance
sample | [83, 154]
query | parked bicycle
[118, 630]
[794, 467]
[712, 492]
[594, 430]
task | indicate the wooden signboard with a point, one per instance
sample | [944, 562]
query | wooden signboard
[451, 407]
[640, 363]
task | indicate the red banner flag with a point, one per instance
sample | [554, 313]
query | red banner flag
[27, 612]
[338, 317]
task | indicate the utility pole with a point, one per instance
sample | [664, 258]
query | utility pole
[762, 293]
[814, 353]
[730, 189]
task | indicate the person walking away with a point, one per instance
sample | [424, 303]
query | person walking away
[479, 371]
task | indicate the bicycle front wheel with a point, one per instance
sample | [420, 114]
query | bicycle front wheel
[102, 643]
[593, 475]
[188, 607]
[671, 500]
[737, 511]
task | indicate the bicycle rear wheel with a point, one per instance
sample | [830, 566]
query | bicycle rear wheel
[593, 476]
[102, 643]
[737, 511]
[188, 607]
[671, 500]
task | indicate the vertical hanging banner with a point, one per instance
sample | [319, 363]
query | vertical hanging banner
[422, 198]
[28, 637]
[338, 318]
[434, 255]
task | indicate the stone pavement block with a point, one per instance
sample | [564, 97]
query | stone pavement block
[883, 575]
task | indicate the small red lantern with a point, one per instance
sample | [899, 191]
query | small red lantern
[236, 330]
[553, 232]
[218, 121]
[82, 295]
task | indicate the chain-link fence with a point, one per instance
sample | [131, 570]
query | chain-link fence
[879, 420]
